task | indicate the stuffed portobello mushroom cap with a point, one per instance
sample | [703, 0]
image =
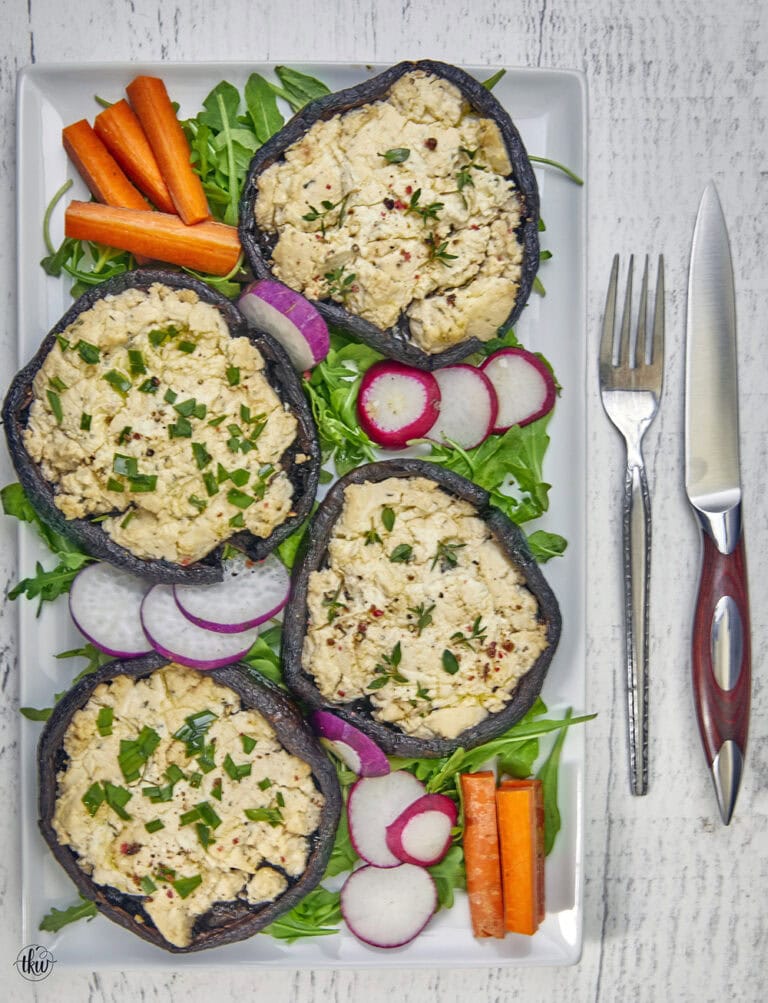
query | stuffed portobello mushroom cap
[225, 921]
[396, 340]
[300, 462]
[405, 655]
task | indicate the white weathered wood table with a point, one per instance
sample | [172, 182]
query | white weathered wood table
[674, 902]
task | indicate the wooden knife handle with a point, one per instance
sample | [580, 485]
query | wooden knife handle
[721, 649]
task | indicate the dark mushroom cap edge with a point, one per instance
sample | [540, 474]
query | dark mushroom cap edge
[88, 534]
[395, 342]
[225, 922]
[313, 556]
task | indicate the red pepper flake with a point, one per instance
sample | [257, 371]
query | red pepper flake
[399, 204]
[430, 143]
[169, 893]
[491, 650]
[451, 299]
[376, 612]
[406, 255]
[474, 226]
[341, 693]
[508, 646]
[235, 841]
[409, 189]
[328, 187]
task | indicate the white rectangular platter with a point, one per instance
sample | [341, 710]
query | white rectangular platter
[549, 108]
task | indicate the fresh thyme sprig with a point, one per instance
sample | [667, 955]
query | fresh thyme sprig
[478, 635]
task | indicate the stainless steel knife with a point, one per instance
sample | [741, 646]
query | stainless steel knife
[721, 664]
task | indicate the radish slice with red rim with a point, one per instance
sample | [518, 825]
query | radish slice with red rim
[373, 804]
[468, 406]
[421, 834]
[350, 745]
[388, 907]
[249, 593]
[524, 386]
[289, 318]
[397, 403]
[105, 604]
[175, 637]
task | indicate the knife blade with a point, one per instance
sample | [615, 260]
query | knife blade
[721, 659]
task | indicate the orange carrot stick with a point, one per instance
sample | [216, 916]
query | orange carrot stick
[520, 813]
[98, 168]
[153, 107]
[207, 247]
[481, 854]
[121, 132]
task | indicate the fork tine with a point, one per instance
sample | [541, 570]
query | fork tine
[609, 318]
[642, 348]
[621, 355]
[657, 357]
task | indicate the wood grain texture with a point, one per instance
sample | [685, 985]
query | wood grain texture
[678, 95]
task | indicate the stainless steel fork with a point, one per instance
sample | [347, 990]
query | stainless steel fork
[631, 373]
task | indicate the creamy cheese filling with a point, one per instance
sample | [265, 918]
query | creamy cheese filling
[148, 412]
[176, 794]
[401, 207]
[420, 610]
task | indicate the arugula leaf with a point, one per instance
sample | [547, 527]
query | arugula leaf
[449, 875]
[299, 88]
[36, 713]
[545, 545]
[343, 855]
[262, 107]
[58, 918]
[220, 106]
[264, 660]
[548, 776]
[314, 916]
[491, 82]
[289, 548]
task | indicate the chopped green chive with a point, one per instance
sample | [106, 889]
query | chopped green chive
[155, 825]
[216, 789]
[235, 772]
[149, 386]
[118, 381]
[195, 779]
[93, 798]
[192, 732]
[204, 835]
[128, 466]
[265, 784]
[134, 753]
[197, 503]
[237, 521]
[143, 483]
[233, 375]
[136, 362]
[239, 498]
[55, 402]
[147, 884]
[181, 429]
[201, 455]
[279, 799]
[208, 815]
[215, 422]
[186, 408]
[239, 477]
[174, 773]
[63, 342]
[186, 346]
[211, 484]
[185, 886]
[88, 353]
[187, 817]
[388, 518]
[58, 384]
[124, 523]
[104, 721]
[125, 435]
[117, 798]
[170, 396]
[85, 422]
[271, 815]
[249, 744]
[113, 484]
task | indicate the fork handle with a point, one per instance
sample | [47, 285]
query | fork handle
[637, 567]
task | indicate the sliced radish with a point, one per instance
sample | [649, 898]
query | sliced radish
[289, 318]
[356, 750]
[374, 803]
[468, 406]
[421, 834]
[174, 636]
[524, 386]
[105, 603]
[397, 403]
[388, 907]
[249, 593]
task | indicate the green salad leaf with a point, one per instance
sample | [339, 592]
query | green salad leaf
[58, 918]
[317, 915]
